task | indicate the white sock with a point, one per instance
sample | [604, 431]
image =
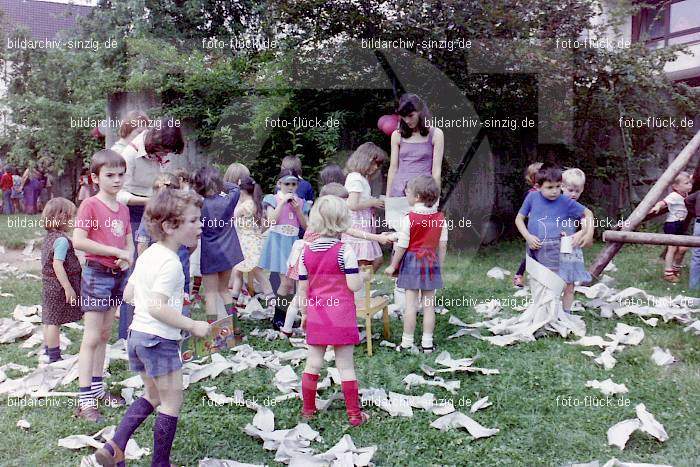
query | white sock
[427, 340]
[292, 311]
[407, 340]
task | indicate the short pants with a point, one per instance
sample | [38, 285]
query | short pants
[154, 355]
[101, 289]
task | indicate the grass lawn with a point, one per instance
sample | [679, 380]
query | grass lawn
[535, 428]
[16, 229]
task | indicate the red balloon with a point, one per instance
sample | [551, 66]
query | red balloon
[388, 123]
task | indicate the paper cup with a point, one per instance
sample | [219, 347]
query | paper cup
[567, 244]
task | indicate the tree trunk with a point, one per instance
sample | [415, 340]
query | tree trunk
[616, 236]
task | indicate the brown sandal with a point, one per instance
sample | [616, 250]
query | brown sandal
[104, 457]
[90, 414]
[359, 420]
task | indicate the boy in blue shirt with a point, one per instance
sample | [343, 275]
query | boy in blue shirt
[550, 215]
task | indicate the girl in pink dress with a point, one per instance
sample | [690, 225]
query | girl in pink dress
[361, 165]
[416, 149]
[328, 277]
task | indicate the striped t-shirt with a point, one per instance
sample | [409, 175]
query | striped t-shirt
[347, 260]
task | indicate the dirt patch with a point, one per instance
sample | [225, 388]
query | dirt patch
[22, 262]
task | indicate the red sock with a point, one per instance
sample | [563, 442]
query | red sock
[352, 401]
[308, 392]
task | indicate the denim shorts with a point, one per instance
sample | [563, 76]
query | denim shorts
[674, 228]
[101, 289]
[154, 355]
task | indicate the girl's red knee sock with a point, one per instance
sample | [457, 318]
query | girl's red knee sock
[351, 392]
[308, 392]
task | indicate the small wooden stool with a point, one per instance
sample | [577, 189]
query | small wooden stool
[370, 306]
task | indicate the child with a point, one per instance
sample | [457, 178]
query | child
[677, 212]
[17, 194]
[285, 216]
[60, 274]
[335, 189]
[328, 278]
[530, 175]
[103, 232]
[571, 266]
[155, 287]
[304, 190]
[235, 173]
[361, 165]
[332, 173]
[419, 255]
[249, 225]
[184, 178]
[546, 211]
[85, 183]
[221, 250]
[166, 181]
[6, 184]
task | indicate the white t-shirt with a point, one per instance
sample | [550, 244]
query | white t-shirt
[356, 183]
[676, 207]
[157, 270]
[347, 260]
[405, 227]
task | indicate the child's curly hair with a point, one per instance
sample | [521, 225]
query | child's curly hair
[168, 206]
[58, 214]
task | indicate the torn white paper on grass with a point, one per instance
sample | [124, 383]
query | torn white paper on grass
[628, 335]
[28, 314]
[662, 357]
[480, 404]
[544, 314]
[649, 424]
[651, 321]
[132, 382]
[23, 424]
[497, 273]
[598, 290]
[616, 463]
[417, 380]
[346, 454]
[607, 387]
[218, 365]
[460, 420]
[206, 462]
[694, 327]
[11, 330]
[590, 341]
[219, 398]
[286, 379]
[619, 433]
[606, 360]
[630, 292]
[488, 309]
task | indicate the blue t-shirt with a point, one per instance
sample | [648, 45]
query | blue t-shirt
[60, 248]
[547, 219]
[142, 236]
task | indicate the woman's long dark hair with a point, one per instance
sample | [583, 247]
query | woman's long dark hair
[251, 187]
[407, 104]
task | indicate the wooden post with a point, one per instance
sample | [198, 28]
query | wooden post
[640, 212]
[646, 238]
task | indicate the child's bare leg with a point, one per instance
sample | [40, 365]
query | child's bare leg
[669, 272]
[170, 392]
[678, 257]
[98, 362]
[135, 415]
[351, 389]
[264, 281]
[409, 318]
[428, 319]
[211, 295]
[568, 297]
[292, 313]
[236, 282]
[86, 358]
[309, 379]
[376, 264]
[224, 292]
[286, 285]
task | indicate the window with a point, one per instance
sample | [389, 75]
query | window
[670, 23]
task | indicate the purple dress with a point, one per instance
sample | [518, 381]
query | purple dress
[221, 249]
[414, 159]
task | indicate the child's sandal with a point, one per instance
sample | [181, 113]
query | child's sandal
[671, 276]
[308, 415]
[401, 349]
[430, 349]
[104, 457]
[518, 281]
